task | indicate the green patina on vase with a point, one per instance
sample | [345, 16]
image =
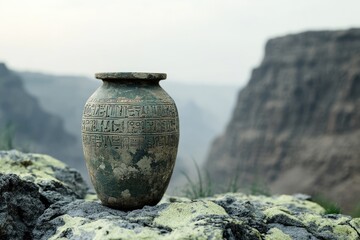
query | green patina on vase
[130, 131]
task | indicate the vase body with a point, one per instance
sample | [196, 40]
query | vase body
[130, 133]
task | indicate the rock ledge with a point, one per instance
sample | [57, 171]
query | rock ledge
[41, 198]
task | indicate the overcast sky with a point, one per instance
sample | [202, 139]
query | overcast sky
[194, 41]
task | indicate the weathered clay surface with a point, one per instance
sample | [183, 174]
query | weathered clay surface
[130, 132]
[27, 213]
[296, 125]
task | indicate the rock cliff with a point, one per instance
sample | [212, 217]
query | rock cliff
[32, 128]
[296, 125]
[42, 198]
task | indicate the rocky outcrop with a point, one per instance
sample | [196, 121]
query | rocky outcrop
[29, 184]
[296, 125]
[41, 198]
[228, 216]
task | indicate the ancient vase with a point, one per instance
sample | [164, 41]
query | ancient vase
[130, 132]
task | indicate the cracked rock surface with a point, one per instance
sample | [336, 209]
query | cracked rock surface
[41, 198]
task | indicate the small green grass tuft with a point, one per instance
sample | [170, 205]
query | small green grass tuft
[203, 187]
[329, 206]
[355, 213]
[233, 185]
[259, 188]
[7, 136]
[200, 189]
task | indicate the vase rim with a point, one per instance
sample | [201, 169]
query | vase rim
[130, 75]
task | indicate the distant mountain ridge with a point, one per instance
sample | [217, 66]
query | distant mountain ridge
[296, 125]
[33, 128]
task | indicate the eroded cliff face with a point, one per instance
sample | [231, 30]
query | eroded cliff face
[32, 128]
[296, 125]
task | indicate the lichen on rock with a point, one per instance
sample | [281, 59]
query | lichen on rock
[30, 183]
[41, 198]
[55, 180]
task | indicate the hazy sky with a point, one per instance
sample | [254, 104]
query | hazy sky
[194, 41]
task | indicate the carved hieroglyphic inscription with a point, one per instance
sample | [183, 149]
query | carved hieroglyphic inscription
[128, 110]
[124, 126]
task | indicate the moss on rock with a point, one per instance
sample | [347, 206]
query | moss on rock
[276, 234]
[331, 226]
[192, 220]
[83, 228]
[56, 181]
[62, 208]
[32, 167]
